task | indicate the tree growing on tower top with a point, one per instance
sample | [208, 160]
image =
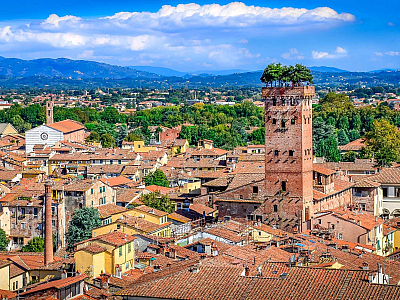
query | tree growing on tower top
[283, 76]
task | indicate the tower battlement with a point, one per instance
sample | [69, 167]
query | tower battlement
[288, 92]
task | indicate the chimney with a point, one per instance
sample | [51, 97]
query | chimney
[48, 233]
[246, 271]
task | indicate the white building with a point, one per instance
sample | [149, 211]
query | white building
[42, 135]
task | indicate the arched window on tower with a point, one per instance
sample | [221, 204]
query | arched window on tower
[283, 183]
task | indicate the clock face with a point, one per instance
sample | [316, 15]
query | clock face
[44, 136]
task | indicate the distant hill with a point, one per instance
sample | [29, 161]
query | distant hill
[160, 71]
[384, 70]
[327, 69]
[63, 67]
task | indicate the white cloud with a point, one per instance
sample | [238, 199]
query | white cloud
[243, 42]
[54, 20]
[378, 53]
[187, 32]
[393, 53]
[340, 50]
[292, 54]
[338, 53]
[390, 24]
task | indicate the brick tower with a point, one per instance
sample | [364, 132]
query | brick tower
[49, 112]
[288, 156]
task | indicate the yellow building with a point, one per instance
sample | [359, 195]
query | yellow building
[262, 233]
[192, 186]
[134, 225]
[5, 274]
[7, 128]
[147, 213]
[111, 253]
[178, 146]
[391, 240]
[138, 146]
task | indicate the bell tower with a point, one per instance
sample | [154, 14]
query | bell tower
[288, 156]
[49, 112]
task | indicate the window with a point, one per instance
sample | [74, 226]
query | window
[274, 121]
[385, 192]
[274, 102]
[118, 226]
[101, 189]
[293, 121]
[255, 189]
[283, 102]
[319, 221]
[276, 152]
[275, 208]
[91, 191]
[35, 212]
[127, 266]
[23, 225]
[259, 233]
[283, 123]
[119, 162]
[363, 206]
[291, 152]
[129, 247]
[40, 226]
[283, 186]
[241, 196]
[120, 251]
[53, 223]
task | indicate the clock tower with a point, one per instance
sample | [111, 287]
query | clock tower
[49, 112]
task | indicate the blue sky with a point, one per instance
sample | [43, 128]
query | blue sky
[205, 35]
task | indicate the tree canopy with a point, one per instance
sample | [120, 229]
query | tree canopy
[384, 141]
[279, 75]
[81, 225]
[158, 201]
[3, 240]
[36, 244]
[157, 178]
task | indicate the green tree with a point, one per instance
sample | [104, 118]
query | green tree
[81, 225]
[107, 141]
[343, 139]
[157, 178]
[158, 201]
[354, 134]
[331, 149]
[93, 137]
[131, 137]
[3, 240]
[349, 156]
[384, 141]
[36, 244]
[121, 134]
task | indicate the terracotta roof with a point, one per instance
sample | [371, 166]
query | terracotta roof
[116, 181]
[320, 169]
[8, 175]
[94, 248]
[55, 284]
[127, 195]
[151, 210]
[141, 224]
[4, 294]
[109, 209]
[105, 169]
[229, 283]
[178, 217]
[114, 238]
[67, 126]
[387, 175]
[365, 183]
[156, 188]
[202, 208]
[363, 219]
[226, 234]
[355, 145]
